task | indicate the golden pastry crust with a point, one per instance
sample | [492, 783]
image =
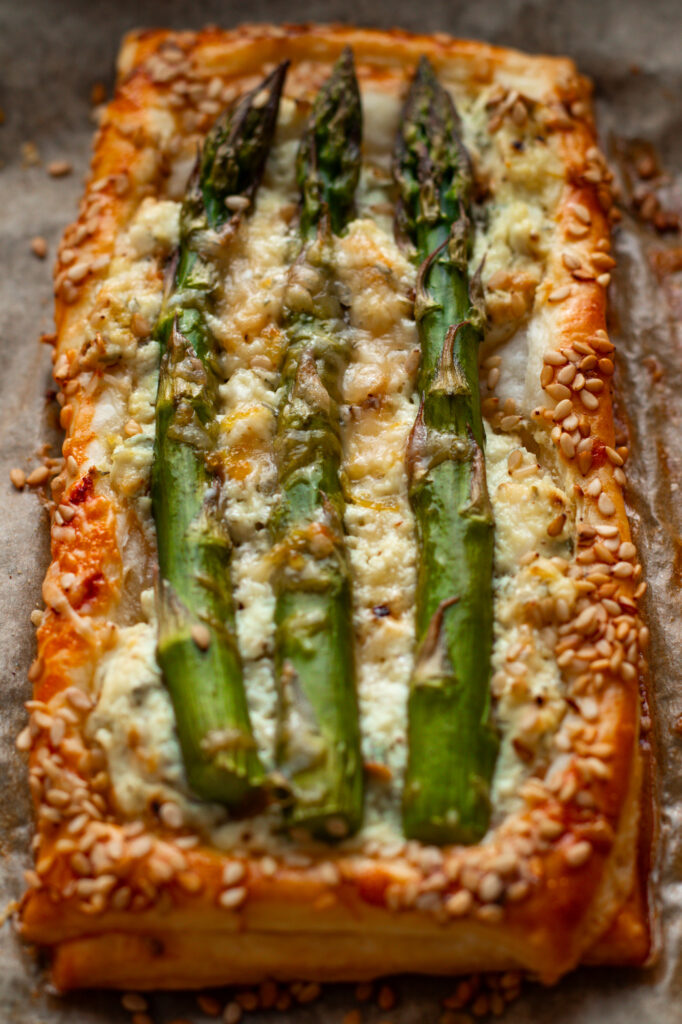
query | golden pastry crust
[129, 905]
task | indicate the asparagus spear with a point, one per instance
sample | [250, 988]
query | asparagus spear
[197, 647]
[451, 745]
[318, 739]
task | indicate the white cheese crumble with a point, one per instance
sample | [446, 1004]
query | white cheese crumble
[133, 720]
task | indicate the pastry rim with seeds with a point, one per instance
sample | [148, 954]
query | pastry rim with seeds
[123, 905]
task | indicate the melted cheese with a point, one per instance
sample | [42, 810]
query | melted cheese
[378, 410]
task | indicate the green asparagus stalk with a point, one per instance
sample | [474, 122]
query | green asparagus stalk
[318, 736]
[197, 646]
[451, 744]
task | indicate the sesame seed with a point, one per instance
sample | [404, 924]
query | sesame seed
[133, 1002]
[23, 740]
[490, 913]
[570, 260]
[490, 887]
[606, 366]
[559, 294]
[613, 456]
[584, 462]
[604, 280]
[578, 853]
[546, 375]
[623, 569]
[493, 378]
[556, 526]
[515, 460]
[558, 392]
[566, 374]
[586, 621]
[59, 168]
[231, 898]
[582, 213]
[554, 358]
[309, 993]
[201, 636]
[460, 903]
[248, 1000]
[237, 203]
[562, 410]
[232, 1013]
[386, 998]
[589, 400]
[603, 261]
[39, 247]
[567, 445]
[363, 992]
[233, 872]
[517, 891]
[18, 478]
[171, 815]
[38, 476]
[209, 1005]
[606, 506]
[577, 230]
[550, 828]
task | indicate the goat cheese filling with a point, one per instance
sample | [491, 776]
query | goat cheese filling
[133, 720]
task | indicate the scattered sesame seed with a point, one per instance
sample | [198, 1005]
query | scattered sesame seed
[39, 247]
[209, 1005]
[133, 1002]
[38, 476]
[232, 1013]
[604, 280]
[386, 998]
[237, 203]
[59, 168]
[554, 358]
[18, 478]
[589, 400]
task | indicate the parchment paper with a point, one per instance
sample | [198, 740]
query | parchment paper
[51, 55]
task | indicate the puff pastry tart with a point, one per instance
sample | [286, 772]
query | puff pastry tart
[338, 673]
